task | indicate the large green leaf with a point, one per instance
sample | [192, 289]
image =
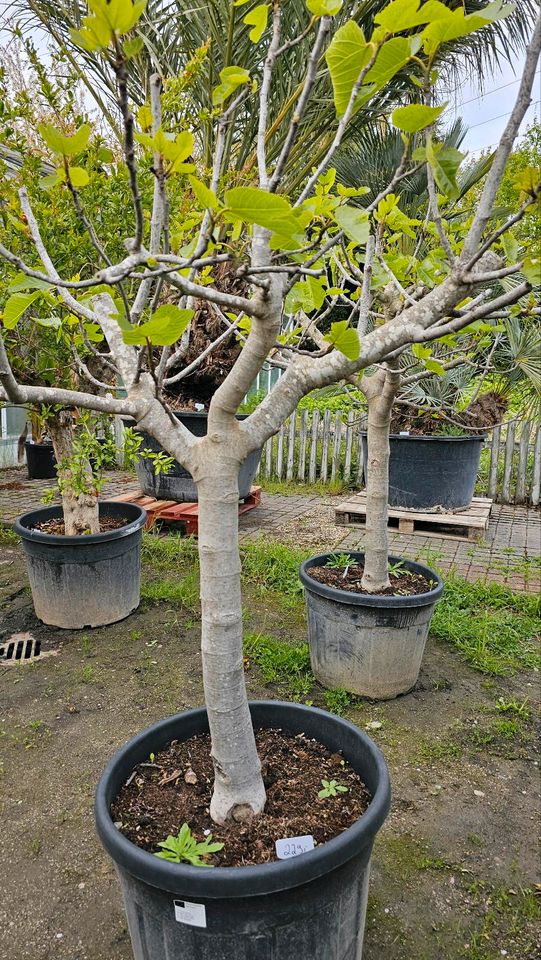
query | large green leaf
[346, 56]
[457, 24]
[165, 327]
[415, 117]
[391, 58]
[354, 221]
[405, 14]
[257, 19]
[445, 162]
[324, 8]
[16, 305]
[231, 78]
[269, 210]
[309, 295]
[344, 338]
[22, 282]
[65, 146]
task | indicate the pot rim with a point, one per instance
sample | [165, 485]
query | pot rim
[258, 879]
[22, 528]
[367, 599]
[439, 439]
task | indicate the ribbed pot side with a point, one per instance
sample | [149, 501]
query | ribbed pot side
[312, 907]
[84, 581]
[369, 645]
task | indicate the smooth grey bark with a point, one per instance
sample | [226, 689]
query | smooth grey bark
[380, 391]
[238, 787]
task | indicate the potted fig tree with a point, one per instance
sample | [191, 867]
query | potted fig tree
[307, 896]
[83, 556]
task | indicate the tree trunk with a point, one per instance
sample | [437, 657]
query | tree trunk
[80, 509]
[380, 405]
[238, 788]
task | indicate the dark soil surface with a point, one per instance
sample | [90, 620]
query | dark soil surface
[57, 528]
[176, 788]
[404, 583]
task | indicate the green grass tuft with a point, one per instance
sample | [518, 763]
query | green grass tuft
[274, 566]
[493, 628]
[8, 535]
[281, 663]
[183, 592]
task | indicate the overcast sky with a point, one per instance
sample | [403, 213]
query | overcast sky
[486, 111]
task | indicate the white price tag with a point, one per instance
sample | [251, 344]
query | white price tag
[193, 914]
[293, 846]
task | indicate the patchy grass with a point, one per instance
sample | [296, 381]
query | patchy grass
[270, 565]
[493, 628]
[183, 593]
[281, 663]
[292, 488]
[339, 701]
[8, 537]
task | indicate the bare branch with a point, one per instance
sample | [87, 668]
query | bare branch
[492, 183]
[119, 66]
[308, 83]
[70, 301]
[202, 356]
[264, 95]
[158, 201]
[340, 130]
[365, 301]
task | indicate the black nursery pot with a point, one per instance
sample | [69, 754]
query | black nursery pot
[427, 473]
[84, 581]
[40, 461]
[312, 907]
[368, 644]
[178, 484]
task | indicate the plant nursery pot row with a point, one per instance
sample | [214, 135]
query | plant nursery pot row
[310, 907]
[427, 473]
[178, 484]
[84, 581]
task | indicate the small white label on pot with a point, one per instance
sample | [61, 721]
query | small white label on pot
[293, 847]
[193, 914]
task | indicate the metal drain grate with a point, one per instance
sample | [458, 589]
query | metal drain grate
[20, 648]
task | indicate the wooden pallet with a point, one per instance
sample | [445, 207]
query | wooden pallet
[185, 513]
[469, 524]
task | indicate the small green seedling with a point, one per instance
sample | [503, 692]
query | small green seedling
[398, 569]
[520, 708]
[337, 561]
[152, 757]
[186, 848]
[331, 789]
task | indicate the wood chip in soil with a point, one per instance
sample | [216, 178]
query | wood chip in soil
[57, 528]
[164, 794]
[404, 583]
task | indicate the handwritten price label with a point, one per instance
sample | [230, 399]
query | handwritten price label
[293, 847]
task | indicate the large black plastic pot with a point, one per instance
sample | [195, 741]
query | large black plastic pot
[364, 643]
[177, 483]
[309, 908]
[40, 461]
[84, 581]
[431, 473]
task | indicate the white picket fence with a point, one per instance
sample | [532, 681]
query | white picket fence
[315, 446]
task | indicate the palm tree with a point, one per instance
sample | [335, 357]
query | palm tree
[173, 31]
